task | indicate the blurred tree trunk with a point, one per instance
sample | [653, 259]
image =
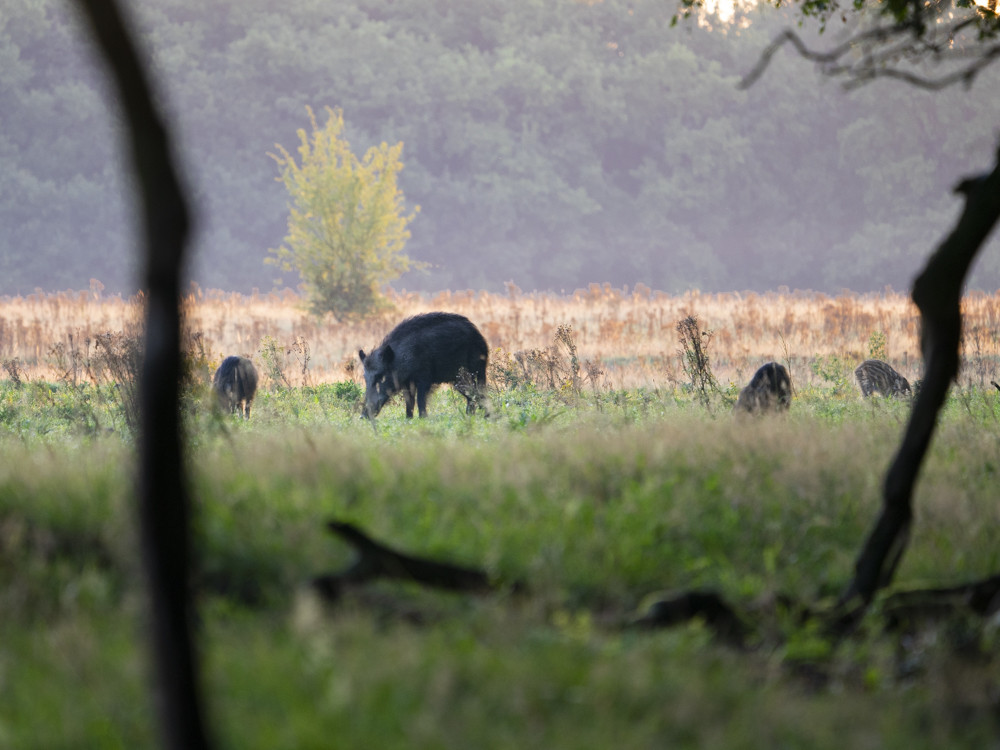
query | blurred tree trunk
[163, 501]
[937, 293]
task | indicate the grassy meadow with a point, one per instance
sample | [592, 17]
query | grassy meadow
[631, 333]
[601, 480]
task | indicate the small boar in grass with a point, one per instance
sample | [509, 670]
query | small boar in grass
[421, 352]
[235, 385]
[876, 376]
[770, 389]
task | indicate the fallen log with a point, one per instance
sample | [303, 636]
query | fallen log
[375, 560]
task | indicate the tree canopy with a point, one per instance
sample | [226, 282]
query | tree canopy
[553, 144]
[346, 227]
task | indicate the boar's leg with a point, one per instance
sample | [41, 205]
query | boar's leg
[422, 390]
[408, 395]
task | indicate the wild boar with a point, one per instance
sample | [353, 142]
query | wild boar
[418, 354]
[235, 385]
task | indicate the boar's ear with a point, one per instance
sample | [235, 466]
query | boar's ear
[361, 354]
[388, 355]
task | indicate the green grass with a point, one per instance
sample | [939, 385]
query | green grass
[600, 503]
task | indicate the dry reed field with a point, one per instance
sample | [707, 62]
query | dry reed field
[629, 335]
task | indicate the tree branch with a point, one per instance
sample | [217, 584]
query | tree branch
[937, 294]
[376, 560]
[163, 501]
[878, 63]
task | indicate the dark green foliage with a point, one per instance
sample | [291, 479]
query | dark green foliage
[836, 372]
[558, 143]
[349, 391]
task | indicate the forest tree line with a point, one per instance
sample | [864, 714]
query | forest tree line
[549, 143]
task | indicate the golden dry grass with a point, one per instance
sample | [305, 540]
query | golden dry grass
[630, 333]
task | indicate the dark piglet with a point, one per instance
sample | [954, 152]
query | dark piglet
[421, 352]
[876, 376]
[770, 389]
[235, 384]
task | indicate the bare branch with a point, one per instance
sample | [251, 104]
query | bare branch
[376, 560]
[964, 76]
[879, 48]
[937, 293]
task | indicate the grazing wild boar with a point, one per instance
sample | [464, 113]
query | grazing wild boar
[770, 389]
[421, 352]
[876, 376]
[235, 384]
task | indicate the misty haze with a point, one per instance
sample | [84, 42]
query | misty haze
[553, 145]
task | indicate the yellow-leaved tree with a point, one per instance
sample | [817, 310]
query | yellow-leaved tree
[346, 226]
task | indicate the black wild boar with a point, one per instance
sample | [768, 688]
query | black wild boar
[421, 352]
[770, 389]
[874, 375]
[235, 384]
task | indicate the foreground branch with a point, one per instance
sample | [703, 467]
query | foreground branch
[937, 294]
[980, 598]
[163, 501]
[875, 62]
[375, 560]
[707, 606]
[741, 630]
[901, 610]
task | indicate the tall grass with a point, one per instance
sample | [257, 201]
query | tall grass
[630, 335]
[595, 507]
[600, 481]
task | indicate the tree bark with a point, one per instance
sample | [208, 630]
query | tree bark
[163, 501]
[937, 293]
